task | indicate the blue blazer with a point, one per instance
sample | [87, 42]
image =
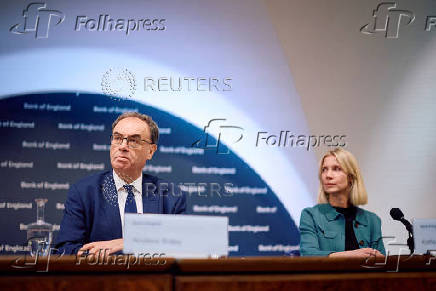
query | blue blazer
[92, 214]
[322, 230]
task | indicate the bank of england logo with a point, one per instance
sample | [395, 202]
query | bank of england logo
[224, 133]
[119, 82]
[387, 19]
[38, 20]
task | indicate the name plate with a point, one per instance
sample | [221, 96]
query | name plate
[178, 236]
[424, 235]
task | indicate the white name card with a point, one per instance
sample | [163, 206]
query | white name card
[178, 236]
[424, 235]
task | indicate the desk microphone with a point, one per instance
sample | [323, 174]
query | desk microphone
[397, 214]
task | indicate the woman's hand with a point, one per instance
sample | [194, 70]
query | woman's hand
[359, 253]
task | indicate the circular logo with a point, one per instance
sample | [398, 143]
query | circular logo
[119, 83]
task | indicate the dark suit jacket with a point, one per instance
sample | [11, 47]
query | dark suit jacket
[92, 214]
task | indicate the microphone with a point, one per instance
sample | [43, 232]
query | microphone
[397, 214]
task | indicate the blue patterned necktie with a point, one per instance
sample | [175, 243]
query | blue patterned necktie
[130, 206]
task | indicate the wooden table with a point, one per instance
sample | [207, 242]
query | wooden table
[254, 273]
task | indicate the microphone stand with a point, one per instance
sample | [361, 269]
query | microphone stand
[410, 242]
[397, 214]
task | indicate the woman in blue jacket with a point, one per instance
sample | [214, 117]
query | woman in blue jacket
[336, 226]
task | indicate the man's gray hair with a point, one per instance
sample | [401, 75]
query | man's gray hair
[154, 130]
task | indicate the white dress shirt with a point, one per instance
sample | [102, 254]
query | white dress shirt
[122, 194]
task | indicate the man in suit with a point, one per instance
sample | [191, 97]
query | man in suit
[94, 210]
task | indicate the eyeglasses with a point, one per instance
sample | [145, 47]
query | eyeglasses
[132, 141]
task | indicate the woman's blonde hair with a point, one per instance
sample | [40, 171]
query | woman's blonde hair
[348, 163]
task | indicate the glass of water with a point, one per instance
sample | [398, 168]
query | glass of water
[39, 233]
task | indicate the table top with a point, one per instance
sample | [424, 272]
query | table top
[128, 263]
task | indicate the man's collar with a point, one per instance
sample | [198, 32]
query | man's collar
[119, 183]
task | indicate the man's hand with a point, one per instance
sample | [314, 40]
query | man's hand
[106, 247]
[359, 253]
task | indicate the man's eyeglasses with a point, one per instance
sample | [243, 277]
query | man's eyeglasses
[132, 141]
